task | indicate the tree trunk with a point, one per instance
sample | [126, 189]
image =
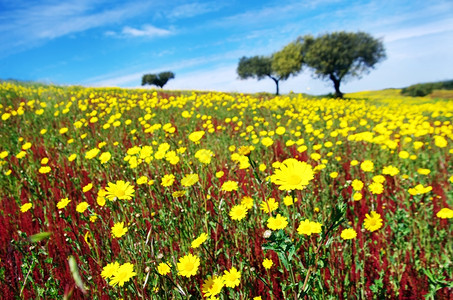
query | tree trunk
[336, 85]
[276, 83]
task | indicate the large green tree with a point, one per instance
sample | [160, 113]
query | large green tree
[338, 56]
[157, 79]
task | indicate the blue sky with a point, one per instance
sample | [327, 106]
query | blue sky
[113, 43]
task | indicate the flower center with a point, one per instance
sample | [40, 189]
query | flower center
[294, 179]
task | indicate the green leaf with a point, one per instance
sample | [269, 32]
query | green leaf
[39, 236]
[75, 273]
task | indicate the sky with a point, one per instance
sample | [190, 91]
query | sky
[101, 43]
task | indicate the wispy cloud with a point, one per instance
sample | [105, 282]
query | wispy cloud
[145, 31]
[440, 26]
[25, 26]
[193, 9]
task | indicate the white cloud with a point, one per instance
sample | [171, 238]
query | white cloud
[145, 31]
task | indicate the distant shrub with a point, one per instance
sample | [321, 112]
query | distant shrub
[423, 89]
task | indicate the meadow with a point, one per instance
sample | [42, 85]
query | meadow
[109, 193]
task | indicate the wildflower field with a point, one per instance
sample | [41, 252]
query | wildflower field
[143, 194]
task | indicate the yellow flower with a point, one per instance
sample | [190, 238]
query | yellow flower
[63, 203]
[280, 130]
[26, 207]
[238, 212]
[204, 156]
[267, 263]
[288, 200]
[420, 189]
[189, 180]
[105, 157]
[379, 179]
[333, 175]
[44, 170]
[357, 196]
[367, 166]
[87, 237]
[229, 186]
[124, 273]
[357, 185]
[316, 227]
[21, 154]
[212, 286]
[292, 174]
[109, 270]
[93, 218]
[269, 206]
[100, 199]
[390, 170]
[267, 141]
[372, 222]
[188, 265]
[72, 157]
[63, 130]
[196, 136]
[118, 230]
[6, 116]
[440, 141]
[232, 277]
[219, 174]
[120, 190]
[348, 234]
[82, 206]
[403, 154]
[167, 180]
[376, 188]
[142, 180]
[177, 194]
[199, 240]
[92, 153]
[3, 154]
[26, 146]
[445, 213]
[44, 161]
[422, 171]
[305, 227]
[277, 223]
[163, 268]
[87, 188]
[247, 202]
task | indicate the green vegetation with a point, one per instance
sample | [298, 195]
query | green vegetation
[424, 89]
[159, 80]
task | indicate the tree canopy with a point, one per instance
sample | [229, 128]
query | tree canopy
[339, 56]
[278, 67]
[157, 79]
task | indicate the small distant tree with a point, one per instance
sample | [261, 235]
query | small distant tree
[157, 79]
[340, 55]
[279, 66]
